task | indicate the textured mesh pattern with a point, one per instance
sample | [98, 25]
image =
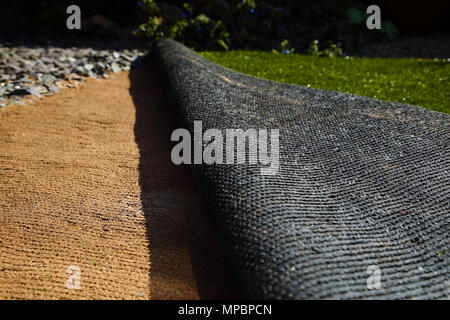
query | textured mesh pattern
[361, 182]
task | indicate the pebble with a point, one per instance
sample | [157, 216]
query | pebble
[37, 70]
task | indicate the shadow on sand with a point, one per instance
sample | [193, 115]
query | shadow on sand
[185, 260]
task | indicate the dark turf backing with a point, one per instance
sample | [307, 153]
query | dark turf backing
[361, 182]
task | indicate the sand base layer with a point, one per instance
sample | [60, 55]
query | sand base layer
[91, 207]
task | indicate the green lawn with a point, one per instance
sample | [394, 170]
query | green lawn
[420, 82]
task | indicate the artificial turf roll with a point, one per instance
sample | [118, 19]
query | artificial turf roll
[359, 206]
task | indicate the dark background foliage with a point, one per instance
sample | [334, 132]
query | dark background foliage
[230, 24]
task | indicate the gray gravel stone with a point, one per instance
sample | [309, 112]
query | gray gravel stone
[35, 70]
[48, 78]
[115, 67]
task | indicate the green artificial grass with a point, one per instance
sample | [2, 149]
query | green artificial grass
[420, 82]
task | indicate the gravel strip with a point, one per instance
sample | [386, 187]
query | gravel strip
[26, 71]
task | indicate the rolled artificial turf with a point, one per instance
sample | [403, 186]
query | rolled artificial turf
[358, 207]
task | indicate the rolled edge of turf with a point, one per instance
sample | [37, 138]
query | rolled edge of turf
[359, 207]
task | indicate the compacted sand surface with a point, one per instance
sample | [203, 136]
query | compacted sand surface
[86, 183]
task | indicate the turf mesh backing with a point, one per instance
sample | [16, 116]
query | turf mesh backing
[361, 182]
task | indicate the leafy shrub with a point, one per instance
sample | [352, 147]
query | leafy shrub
[259, 24]
[187, 23]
